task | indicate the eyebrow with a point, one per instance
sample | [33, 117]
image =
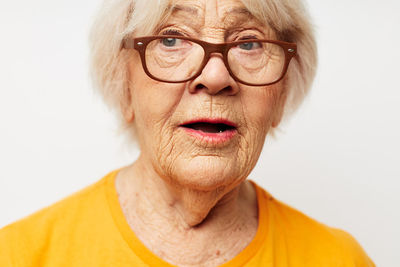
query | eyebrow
[237, 18]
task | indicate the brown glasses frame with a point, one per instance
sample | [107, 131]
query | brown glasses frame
[140, 44]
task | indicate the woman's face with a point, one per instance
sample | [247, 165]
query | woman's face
[207, 132]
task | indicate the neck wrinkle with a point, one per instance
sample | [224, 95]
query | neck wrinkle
[184, 208]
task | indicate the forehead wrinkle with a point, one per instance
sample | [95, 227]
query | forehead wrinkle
[230, 20]
[242, 14]
[238, 11]
[181, 14]
[188, 9]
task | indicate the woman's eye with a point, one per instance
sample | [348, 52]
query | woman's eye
[170, 42]
[249, 46]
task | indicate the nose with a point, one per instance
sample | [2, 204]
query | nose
[215, 78]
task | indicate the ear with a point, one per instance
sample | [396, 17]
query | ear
[129, 114]
[127, 106]
[280, 107]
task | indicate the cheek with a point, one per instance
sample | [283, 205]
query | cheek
[153, 104]
[260, 106]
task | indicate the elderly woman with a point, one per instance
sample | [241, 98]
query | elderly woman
[199, 84]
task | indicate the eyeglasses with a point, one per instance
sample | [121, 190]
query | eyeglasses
[177, 59]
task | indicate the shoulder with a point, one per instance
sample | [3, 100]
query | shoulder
[29, 237]
[309, 241]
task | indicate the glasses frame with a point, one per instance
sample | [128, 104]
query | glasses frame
[140, 44]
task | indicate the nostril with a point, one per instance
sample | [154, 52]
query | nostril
[227, 90]
[200, 86]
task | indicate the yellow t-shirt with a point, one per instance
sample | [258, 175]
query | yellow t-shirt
[89, 229]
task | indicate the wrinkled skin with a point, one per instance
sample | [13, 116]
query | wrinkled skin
[191, 175]
[160, 107]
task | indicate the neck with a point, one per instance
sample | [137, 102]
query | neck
[184, 226]
[184, 206]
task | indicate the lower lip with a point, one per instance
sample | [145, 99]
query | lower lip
[213, 138]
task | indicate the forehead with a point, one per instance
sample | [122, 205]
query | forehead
[199, 7]
[226, 12]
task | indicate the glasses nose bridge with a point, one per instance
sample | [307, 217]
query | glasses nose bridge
[210, 48]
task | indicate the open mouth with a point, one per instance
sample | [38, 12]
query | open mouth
[211, 131]
[213, 127]
[209, 127]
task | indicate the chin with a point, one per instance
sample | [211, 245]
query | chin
[207, 173]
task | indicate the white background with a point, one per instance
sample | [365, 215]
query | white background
[337, 159]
